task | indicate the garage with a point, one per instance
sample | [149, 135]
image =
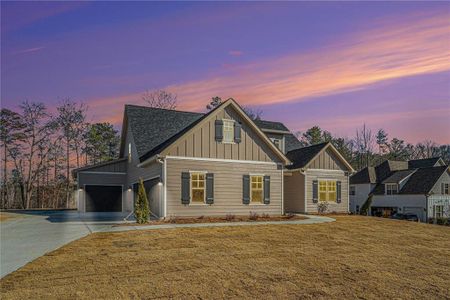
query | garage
[103, 198]
[418, 211]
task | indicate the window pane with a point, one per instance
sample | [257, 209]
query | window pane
[332, 196]
[198, 195]
[256, 196]
[323, 196]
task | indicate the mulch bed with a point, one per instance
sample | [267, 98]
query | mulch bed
[229, 219]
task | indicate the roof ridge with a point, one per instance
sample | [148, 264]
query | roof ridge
[165, 109]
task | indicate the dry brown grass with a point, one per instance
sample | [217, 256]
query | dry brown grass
[355, 257]
[6, 216]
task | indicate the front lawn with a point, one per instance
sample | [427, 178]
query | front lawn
[354, 257]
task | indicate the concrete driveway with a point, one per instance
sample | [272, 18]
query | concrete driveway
[31, 234]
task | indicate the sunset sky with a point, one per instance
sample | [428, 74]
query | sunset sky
[333, 64]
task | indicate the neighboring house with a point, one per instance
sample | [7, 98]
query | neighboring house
[319, 173]
[192, 164]
[419, 186]
[195, 164]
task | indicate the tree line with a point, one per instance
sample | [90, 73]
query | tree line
[41, 147]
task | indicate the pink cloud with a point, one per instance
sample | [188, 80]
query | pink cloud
[29, 50]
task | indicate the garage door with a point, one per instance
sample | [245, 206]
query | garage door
[418, 211]
[102, 198]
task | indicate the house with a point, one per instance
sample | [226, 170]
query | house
[213, 164]
[418, 186]
[318, 173]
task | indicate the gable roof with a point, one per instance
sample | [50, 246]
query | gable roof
[151, 127]
[398, 176]
[366, 175]
[198, 118]
[425, 163]
[420, 182]
[302, 157]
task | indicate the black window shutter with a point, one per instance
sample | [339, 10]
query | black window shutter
[315, 191]
[185, 188]
[209, 188]
[219, 130]
[338, 192]
[246, 189]
[237, 132]
[266, 189]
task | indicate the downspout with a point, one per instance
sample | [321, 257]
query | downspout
[163, 161]
[282, 190]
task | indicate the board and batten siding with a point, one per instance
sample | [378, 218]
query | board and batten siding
[326, 160]
[317, 174]
[228, 187]
[294, 192]
[202, 143]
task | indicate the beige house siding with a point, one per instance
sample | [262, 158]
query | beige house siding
[327, 174]
[327, 161]
[201, 142]
[294, 192]
[227, 187]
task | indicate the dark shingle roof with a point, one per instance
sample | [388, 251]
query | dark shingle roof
[423, 163]
[386, 168]
[301, 157]
[423, 180]
[291, 142]
[366, 175]
[153, 126]
[270, 125]
[420, 182]
[398, 176]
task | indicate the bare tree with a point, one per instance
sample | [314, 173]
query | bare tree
[215, 101]
[364, 146]
[253, 113]
[160, 99]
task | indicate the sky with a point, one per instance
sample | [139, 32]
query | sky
[337, 65]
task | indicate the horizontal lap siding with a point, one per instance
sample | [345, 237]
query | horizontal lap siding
[332, 175]
[294, 192]
[227, 188]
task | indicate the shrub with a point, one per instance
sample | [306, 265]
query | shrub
[322, 207]
[173, 219]
[441, 221]
[253, 216]
[230, 217]
[141, 209]
[265, 216]
[201, 217]
[365, 207]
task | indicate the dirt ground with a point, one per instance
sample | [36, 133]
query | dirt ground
[354, 257]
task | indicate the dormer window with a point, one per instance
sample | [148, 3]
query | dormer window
[391, 188]
[277, 142]
[228, 131]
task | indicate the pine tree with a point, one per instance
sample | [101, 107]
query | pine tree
[141, 209]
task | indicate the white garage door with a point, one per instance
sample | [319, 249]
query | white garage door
[417, 211]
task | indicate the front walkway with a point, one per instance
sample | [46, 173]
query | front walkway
[35, 233]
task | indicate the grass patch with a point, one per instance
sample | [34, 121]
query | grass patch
[354, 257]
[4, 216]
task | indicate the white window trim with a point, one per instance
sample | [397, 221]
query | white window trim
[441, 212]
[232, 131]
[318, 190]
[190, 188]
[386, 189]
[262, 190]
[443, 188]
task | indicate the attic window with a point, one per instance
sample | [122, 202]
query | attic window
[444, 188]
[228, 131]
[277, 142]
[391, 189]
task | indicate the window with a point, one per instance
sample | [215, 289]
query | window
[357, 209]
[277, 142]
[256, 188]
[228, 131]
[444, 188]
[352, 191]
[327, 190]
[197, 187]
[439, 211]
[391, 189]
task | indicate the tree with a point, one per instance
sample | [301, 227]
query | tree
[71, 119]
[141, 208]
[381, 139]
[364, 147]
[160, 99]
[215, 101]
[11, 126]
[253, 113]
[397, 150]
[101, 142]
[313, 136]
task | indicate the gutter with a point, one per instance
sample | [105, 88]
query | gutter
[148, 161]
